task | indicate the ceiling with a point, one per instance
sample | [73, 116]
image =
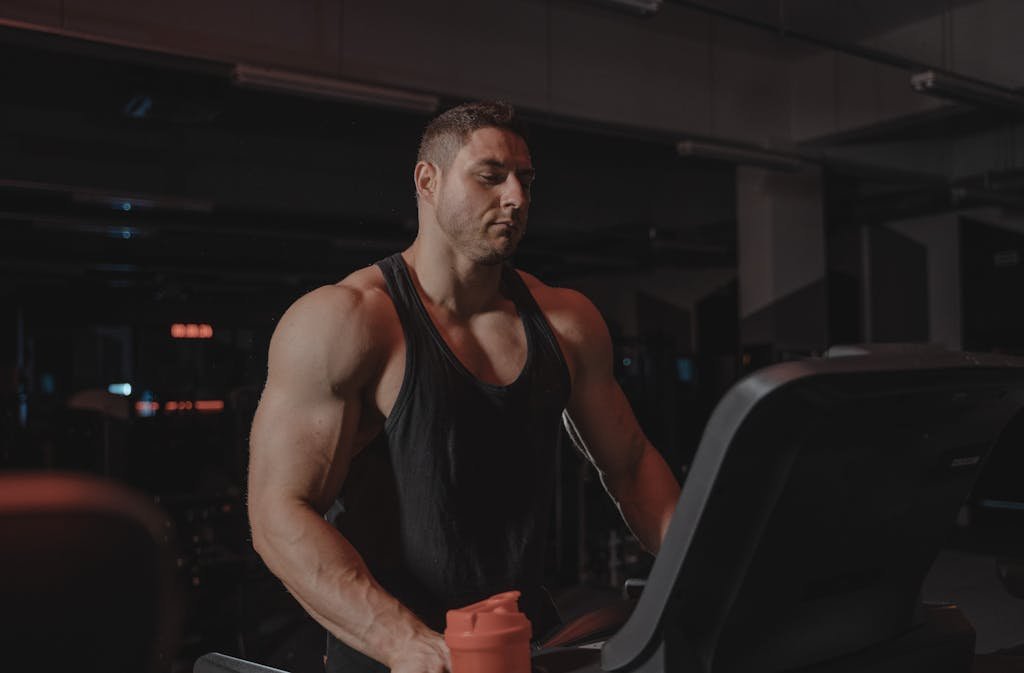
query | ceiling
[841, 20]
[270, 189]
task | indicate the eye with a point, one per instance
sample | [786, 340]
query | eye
[492, 178]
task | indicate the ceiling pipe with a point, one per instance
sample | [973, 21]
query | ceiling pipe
[743, 154]
[642, 8]
[959, 90]
[867, 53]
[278, 80]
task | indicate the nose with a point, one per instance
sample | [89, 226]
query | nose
[515, 195]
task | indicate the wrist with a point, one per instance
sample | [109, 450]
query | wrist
[407, 636]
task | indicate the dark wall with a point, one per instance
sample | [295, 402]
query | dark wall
[992, 272]
[899, 287]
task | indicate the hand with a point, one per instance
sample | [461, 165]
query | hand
[426, 652]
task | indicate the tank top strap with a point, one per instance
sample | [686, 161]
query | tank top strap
[400, 287]
[533, 317]
[514, 287]
[418, 333]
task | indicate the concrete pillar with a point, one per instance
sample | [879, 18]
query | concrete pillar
[781, 258]
[939, 236]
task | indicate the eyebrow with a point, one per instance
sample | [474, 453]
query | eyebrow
[494, 163]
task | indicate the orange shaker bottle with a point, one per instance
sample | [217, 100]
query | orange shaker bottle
[491, 636]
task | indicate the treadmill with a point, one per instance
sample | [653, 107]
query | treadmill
[819, 496]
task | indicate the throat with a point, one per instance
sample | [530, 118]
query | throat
[461, 287]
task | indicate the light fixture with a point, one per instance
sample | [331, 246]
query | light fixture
[120, 389]
[638, 7]
[316, 86]
[191, 331]
[964, 90]
[740, 154]
[202, 406]
[131, 202]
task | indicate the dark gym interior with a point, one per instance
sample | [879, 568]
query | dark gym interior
[735, 184]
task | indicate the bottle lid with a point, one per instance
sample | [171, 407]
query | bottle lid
[491, 623]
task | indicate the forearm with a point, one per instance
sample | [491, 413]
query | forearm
[329, 578]
[646, 496]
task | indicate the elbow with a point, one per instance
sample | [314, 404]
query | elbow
[260, 544]
[259, 541]
[264, 520]
[277, 525]
[269, 543]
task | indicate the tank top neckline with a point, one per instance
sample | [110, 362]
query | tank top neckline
[442, 343]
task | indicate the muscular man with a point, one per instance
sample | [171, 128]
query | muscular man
[428, 392]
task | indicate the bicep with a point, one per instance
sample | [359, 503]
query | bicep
[303, 432]
[300, 446]
[599, 418]
[602, 425]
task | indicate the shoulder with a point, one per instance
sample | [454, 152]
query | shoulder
[569, 308]
[337, 329]
[578, 324]
[359, 301]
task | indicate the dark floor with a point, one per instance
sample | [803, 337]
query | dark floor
[971, 581]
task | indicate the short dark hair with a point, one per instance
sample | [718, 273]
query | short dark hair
[447, 133]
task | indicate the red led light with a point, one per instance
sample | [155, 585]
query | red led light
[206, 406]
[191, 330]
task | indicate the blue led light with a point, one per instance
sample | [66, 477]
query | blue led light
[1002, 504]
[138, 107]
[126, 206]
[684, 369]
[627, 362]
[120, 389]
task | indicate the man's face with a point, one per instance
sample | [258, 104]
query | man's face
[484, 196]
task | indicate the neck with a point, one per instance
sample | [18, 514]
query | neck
[451, 280]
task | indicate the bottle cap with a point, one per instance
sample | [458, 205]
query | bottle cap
[491, 636]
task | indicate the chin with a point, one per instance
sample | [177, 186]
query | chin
[496, 254]
[492, 258]
[506, 252]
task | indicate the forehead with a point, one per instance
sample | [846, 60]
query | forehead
[494, 144]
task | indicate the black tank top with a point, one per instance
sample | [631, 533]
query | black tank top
[451, 503]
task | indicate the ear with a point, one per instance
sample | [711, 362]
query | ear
[426, 175]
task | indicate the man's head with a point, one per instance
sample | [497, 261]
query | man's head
[448, 132]
[473, 178]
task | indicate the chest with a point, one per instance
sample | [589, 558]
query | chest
[492, 348]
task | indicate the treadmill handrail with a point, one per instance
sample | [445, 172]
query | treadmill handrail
[640, 633]
[641, 630]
